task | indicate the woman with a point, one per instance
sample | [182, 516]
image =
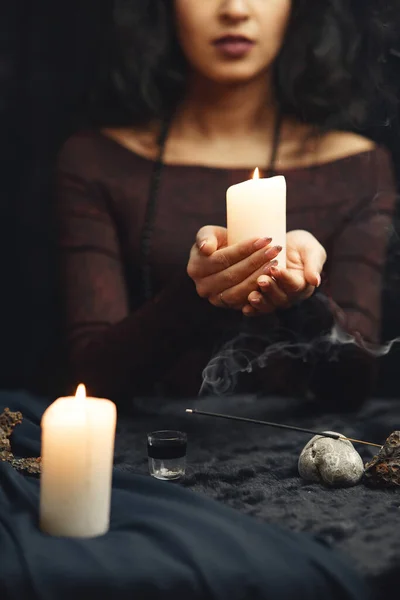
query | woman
[206, 91]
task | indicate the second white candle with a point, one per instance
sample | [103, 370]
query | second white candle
[77, 459]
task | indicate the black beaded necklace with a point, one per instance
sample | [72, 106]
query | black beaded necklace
[151, 207]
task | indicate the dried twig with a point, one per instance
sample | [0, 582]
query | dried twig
[8, 421]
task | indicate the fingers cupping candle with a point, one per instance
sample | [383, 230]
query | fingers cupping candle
[257, 207]
[78, 436]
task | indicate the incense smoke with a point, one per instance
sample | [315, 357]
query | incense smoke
[221, 374]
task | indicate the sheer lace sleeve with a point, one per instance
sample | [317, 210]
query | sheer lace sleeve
[114, 351]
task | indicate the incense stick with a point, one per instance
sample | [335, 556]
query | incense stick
[280, 426]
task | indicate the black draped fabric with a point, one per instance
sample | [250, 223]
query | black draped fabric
[164, 542]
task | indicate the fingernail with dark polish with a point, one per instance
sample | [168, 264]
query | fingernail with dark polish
[270, 265]
[261, 243]
[274, 249]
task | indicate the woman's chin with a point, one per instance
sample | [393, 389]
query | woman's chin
[234, 75]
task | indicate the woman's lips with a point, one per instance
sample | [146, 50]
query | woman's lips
[234, 46]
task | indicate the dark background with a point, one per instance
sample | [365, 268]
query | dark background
[48, 57]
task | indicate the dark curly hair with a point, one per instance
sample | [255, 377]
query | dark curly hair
[329, 72]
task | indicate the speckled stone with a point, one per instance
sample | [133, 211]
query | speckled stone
[333, 462]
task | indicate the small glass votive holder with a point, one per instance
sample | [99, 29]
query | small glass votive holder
[166, 452]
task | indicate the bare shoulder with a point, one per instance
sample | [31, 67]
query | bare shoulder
[335, 145]
[375, 161]
[140, 140]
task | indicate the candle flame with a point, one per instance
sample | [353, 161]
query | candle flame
[256, 174]
[80, 392]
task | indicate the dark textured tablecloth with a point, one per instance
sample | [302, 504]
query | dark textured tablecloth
[165, 540]
[254, 469]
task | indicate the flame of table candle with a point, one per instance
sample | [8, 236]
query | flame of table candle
[80, 392]
[256, 174]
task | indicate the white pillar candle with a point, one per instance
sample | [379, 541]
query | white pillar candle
[78, 436]
[257, 208]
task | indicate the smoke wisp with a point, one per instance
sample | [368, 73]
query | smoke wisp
[221, 374]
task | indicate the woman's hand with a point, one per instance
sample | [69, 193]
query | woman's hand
[281, 288]
[226, 275]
